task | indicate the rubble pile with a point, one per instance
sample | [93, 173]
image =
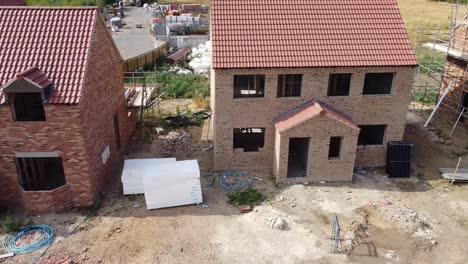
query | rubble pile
[59, 258]
[410, 220]
[278, 223]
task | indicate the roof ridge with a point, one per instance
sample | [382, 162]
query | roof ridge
[21, 75]
[294, 110]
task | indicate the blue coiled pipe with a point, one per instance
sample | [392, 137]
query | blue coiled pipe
[46, 239]
[239, 185]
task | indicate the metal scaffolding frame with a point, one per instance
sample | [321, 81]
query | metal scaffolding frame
[433, 47]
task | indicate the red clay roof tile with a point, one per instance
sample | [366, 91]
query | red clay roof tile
[308, 33]
[35, 76]
[56, 40]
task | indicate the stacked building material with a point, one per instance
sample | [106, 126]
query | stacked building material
[191, 8]
[132, 175]
[173, 184]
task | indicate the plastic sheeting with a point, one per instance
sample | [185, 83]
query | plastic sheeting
[173, 184]
[201, 58]
[132, 175]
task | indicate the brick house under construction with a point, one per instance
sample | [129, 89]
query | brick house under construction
[63, 118]
[306, 89]
[454, 106]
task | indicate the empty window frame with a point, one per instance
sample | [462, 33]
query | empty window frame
[289, 85]
[40, 174]
[378, 83]
[116, 130]
[249, 86]
[339, 84]
[249, 139]
[371, 134]
[28, 107]
[334, 149]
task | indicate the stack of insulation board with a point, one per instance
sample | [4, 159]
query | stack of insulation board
[165, 182]
[133, 171]
[173, 184]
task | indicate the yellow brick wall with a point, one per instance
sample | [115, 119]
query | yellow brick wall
[232, 113]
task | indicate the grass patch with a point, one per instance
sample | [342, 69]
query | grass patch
[425, 97]
[420, 178]
[183, 86]
[248, 196]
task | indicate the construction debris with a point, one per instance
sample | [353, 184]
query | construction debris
[245, 209]
[461, 175]
[410, 220]
[277, 223]
[59, 258]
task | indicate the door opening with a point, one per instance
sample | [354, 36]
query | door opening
[298, 157]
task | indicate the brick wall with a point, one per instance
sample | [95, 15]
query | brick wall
[60, 133]
[319, 166]
[79, 133]
[455, 73]
[232, 113]
[101, 100]
[56, 200]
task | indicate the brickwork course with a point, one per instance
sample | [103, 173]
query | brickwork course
[87, 92]
[455, 73]
[311, 41]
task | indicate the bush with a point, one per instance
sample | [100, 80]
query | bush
[10, 224]
[248, 196]
[183, 86]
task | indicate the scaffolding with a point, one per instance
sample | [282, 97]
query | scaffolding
[142, 92]
[443, 58]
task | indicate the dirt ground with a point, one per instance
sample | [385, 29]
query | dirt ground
[416, 220]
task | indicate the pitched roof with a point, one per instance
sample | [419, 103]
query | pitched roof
[56, 40]
[36, 76]
[310, 110]
[12, 3]
[179, 55]
[308, 33]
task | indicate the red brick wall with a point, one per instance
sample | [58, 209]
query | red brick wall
[101, 100]
[60, 133]
[455, 73]
[56, 200]
[79, 133]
